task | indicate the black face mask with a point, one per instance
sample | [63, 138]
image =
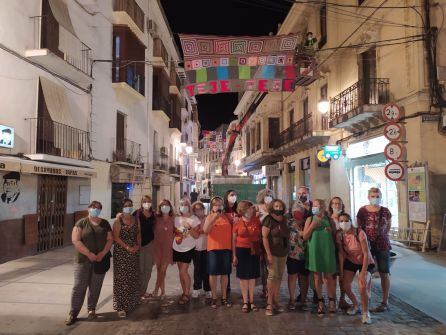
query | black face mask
[278, 211]
[303, 198]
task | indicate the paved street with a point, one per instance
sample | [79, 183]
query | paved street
[35, 291]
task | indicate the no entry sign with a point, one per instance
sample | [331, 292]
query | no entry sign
[393, 151]
[394, 171]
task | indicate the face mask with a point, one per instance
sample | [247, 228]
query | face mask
[184, 209]
[345, 225]
[146, 205]
[165, 209]
[268, 199]
[315, 210]
[278, 211]
[248, 215]
[303, 198]
[336, 211]
[232, 199]
[94, 212]
[375, 201]
[127, 210]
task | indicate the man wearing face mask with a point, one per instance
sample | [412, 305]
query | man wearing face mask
[376, 221]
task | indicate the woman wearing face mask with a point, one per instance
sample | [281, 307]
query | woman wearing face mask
[164, 236]
[264, 198]
[201, 277]
[320, 259]
[275, 236]
[355, 255]
[246, 251]
[92, 239]
[218, 262]
[126, 285]
[230, 209]
[184, 246]
[335, 209]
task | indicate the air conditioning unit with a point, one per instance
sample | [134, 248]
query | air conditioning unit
[151, 28]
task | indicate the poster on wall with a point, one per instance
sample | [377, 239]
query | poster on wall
[417, 188]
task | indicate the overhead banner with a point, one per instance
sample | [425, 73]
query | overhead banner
[214, 140]
[219, 64]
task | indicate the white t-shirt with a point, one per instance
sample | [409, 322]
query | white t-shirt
[201, 243]
[187, 242]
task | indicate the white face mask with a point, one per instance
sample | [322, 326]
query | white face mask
[336, 211]
[127, 210]
[268, 199]
[146, 205]
[184, 209]
[232, 199]
[345, 225]
[248, 215]
[165, 209]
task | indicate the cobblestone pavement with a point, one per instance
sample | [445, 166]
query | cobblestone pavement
[35, 294]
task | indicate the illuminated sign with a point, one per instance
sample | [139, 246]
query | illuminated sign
[332, 151]
[6, 137]
[321, 156]
[370, 147]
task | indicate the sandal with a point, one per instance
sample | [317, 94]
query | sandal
[332, 304]
[253, 307]
[269, 310]
[226, 302]
[245, 307]
[291, 306]
[320, 307]
[184, 299]
[214, 303]
[383, 307]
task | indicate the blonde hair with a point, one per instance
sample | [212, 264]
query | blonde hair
[375, 190]
[321, 202]
[260, 198]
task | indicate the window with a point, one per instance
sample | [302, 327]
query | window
[324, 96]
[323, 25]
[248, 143]
[258, 136]
[120, 137]
[273, 131]
[291, 116]
[360, 2]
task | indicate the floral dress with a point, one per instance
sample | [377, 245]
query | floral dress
[126, 270]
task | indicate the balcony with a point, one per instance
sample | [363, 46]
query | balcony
[127, 12]
[160, 55]
[175, 169]
[300, 136]
[59, 50]
[51, 138]
[175, 82]
[127, 152]
[259, 158]
[160, 160]
[361, 102]
[129, 78]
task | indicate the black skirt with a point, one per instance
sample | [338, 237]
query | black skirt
[183, 257]
[248, 266]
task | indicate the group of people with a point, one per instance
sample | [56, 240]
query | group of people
[319, 245]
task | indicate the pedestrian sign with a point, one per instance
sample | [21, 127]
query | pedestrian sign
[394, 171]
[391, 112]
[393, 151]
[393, 131]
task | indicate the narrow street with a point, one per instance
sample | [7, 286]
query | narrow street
[35, 293]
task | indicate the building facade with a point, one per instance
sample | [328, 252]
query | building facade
[365, 63]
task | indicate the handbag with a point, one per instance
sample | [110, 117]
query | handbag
[103, 266]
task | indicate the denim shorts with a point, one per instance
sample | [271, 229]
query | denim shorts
[219, 262]
[382, 259]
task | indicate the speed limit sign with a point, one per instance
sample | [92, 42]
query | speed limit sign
[393, 151]
[391, 112]
[393, 131]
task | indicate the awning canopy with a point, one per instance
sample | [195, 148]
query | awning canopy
[56, 101]
[60, 11]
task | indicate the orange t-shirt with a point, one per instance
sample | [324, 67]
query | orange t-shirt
[247, 232]
[220, 236]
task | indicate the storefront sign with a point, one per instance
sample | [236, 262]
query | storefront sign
[57, 170]
[6, 137]
[394, 171]
[321, 156]
[393, 131]
[365, 148]
[332, 151]
[393, 151]
[271, 170]
[305, 163]
[391, 112]
[417, 188]
[9, 166]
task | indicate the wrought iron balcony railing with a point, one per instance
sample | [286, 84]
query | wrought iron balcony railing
[130, 74]
[160, 160]
[127, 151]
[373, 91]
[296, 131]
[57, 139]
[132, 9]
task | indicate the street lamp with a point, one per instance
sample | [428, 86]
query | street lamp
[201, 169]
[189, 150]
[237, 163]
[323, 106]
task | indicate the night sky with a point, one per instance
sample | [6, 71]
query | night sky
[223, 17]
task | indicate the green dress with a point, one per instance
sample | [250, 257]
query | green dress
[321, 254]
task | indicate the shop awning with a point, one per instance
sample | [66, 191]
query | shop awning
[37, 167]
[56, 101]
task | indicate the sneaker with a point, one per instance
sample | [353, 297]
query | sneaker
[279, 309]
[122, 314]
[70, 319]
[91, 315]
[291, 306]
[208, 295]
[195, 294]
[383, 307]
[353, 310]
[366, 319]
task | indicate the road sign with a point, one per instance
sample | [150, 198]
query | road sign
[393, 131]
[391, 112]
[393, 151]
[394, 171]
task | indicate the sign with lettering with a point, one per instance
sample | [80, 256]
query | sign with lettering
[6, 137]
[393, 131]
[394, 171]
[59, 171]
[391, 112]
[393, 151]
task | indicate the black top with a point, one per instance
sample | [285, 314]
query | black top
[147, 224]
[193, 196]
